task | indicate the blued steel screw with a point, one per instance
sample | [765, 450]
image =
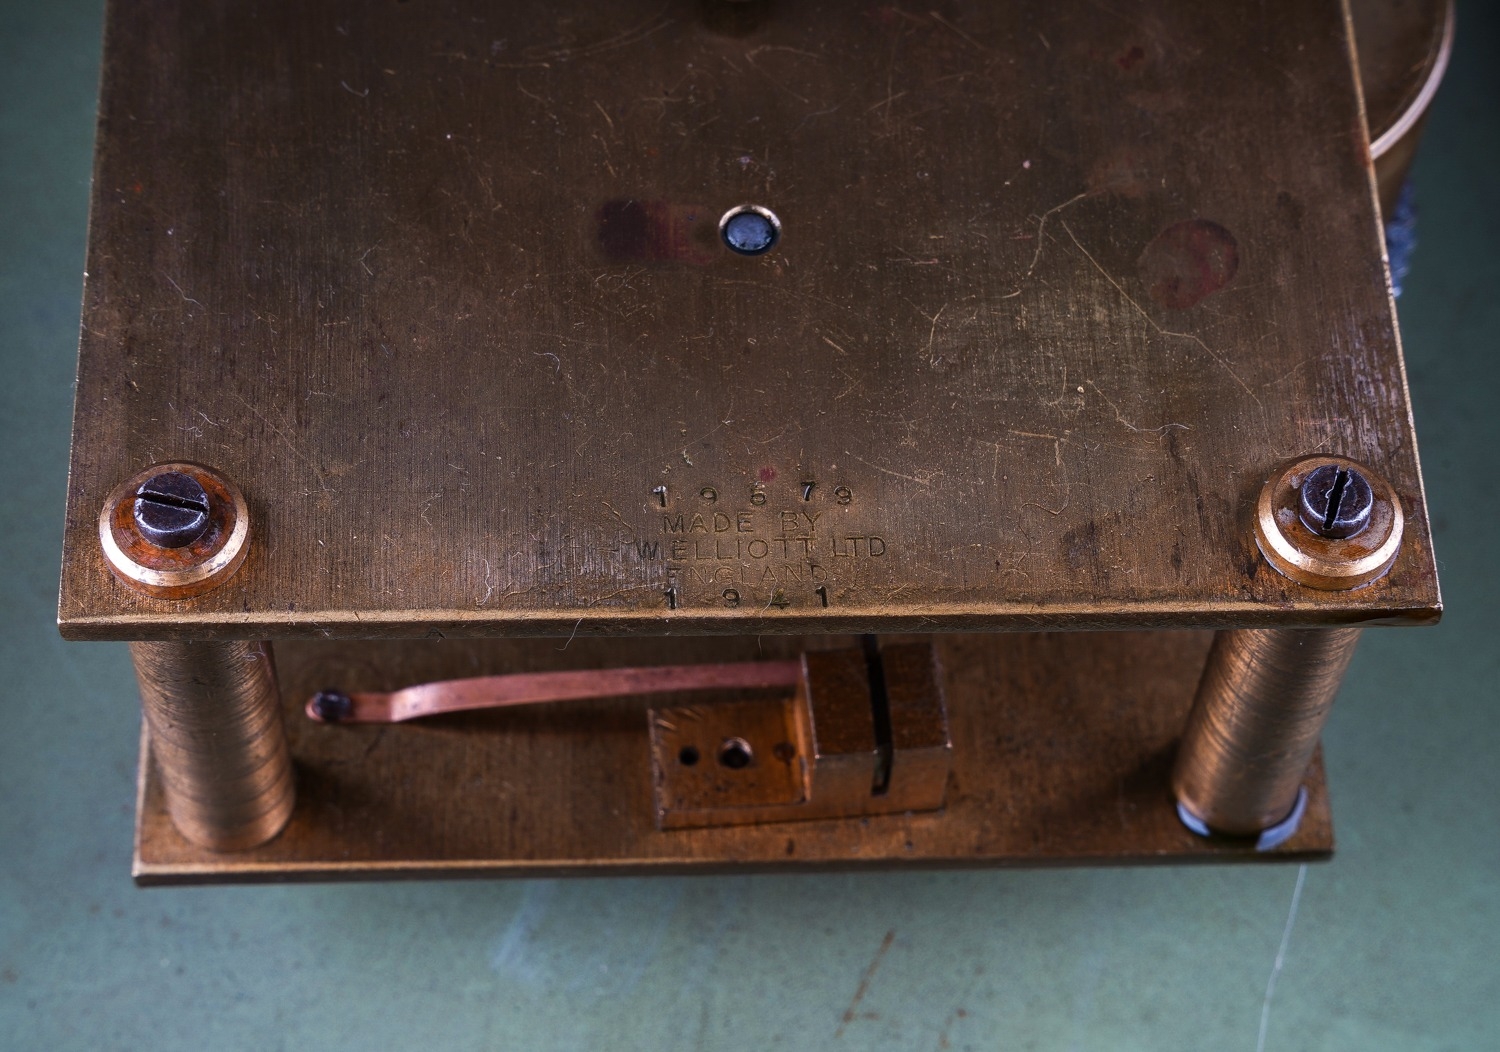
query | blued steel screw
[1335, 501]
[332, 705]
[171, 510]
[750, 232]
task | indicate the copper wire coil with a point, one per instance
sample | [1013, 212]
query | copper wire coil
[213, 709]
[1262, 702]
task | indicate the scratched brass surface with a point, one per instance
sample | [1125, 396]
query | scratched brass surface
[1062, 747]
[438, 286]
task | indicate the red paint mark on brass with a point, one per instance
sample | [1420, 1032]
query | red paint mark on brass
[767, 474]
[1131, 58]
[632, 231]
[1188, 262]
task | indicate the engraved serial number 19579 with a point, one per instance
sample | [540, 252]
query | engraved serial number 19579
[775, 556]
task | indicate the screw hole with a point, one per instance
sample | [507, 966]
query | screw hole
[735, 754]
[688, 756]
[750, 229]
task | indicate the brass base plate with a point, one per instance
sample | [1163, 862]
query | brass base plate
[1062, 748]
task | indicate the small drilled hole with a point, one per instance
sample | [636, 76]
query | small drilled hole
[688, 756]
[735, 754]
[750, 229]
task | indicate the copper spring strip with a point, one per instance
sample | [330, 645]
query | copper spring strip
[531, 688]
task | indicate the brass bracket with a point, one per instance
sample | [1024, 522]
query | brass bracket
[865, 734]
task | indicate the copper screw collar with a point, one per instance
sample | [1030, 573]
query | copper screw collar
[1313, 557]
[189, 569]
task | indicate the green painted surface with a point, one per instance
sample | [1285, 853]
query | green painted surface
[1393, 945]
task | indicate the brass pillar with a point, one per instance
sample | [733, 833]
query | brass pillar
[1262, 702]
[214, 715]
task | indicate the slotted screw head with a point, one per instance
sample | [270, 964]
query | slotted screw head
[171, 510]
[1335, 502]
